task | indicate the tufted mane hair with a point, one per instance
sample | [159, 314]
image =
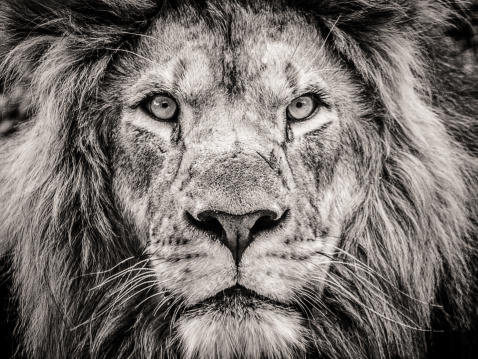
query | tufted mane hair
[416, 230]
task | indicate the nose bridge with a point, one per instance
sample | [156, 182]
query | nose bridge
[236, 182]
[230, 126]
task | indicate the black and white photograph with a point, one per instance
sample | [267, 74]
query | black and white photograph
[238, 179]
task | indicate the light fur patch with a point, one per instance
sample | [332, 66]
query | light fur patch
[263, 332]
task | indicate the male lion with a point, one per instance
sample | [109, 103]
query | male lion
[240, 179]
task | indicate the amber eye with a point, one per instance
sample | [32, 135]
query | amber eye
[162, 107]
[301, 108]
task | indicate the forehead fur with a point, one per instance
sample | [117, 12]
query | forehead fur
[354, 25]
[236, 53]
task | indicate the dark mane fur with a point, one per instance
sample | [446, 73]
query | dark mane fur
[60, 224]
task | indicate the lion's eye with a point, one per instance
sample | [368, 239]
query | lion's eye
[301, 108]
[162, 107]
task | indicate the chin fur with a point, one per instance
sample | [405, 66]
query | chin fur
[260, 330]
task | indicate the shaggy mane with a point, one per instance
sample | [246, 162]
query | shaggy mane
[409, 289]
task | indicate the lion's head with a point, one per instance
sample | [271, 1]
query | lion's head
[237, 180]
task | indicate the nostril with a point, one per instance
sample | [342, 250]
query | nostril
[268, 222]
[206, 223]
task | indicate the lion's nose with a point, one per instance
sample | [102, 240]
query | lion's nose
[238, 231]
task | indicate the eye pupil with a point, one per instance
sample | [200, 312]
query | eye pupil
[299, 105]
[164, 105]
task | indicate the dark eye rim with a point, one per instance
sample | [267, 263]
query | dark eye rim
[146, 107]
[317, 101]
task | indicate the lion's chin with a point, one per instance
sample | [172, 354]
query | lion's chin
[241, 326]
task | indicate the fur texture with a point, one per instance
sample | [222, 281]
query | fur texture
[378, 257]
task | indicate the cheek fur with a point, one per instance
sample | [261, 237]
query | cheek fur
[138, 155]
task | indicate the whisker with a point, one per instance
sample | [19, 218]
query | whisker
[335, 283]
[323, 43]
[112, 268]
[366, 268]
[123, 273]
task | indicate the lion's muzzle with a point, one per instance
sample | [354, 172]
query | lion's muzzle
[236, 197]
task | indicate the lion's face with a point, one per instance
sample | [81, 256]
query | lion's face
[240, 179]
[241, 202]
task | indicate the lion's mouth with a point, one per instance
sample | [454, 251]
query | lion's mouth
[236, 291]
[236, 296]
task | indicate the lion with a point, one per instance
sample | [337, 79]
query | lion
[240, 179]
